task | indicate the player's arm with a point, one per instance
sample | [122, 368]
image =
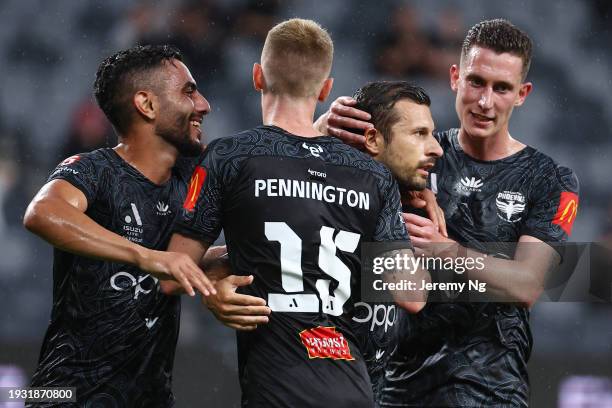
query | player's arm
[235, 310]
[426, 200]
[520, 279]
[57, 214]
[390, 228]
[341, 116]
[412, 300]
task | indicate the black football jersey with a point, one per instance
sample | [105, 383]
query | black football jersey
[475, 354]
[377, 330]
[294, 211]
[112, 333]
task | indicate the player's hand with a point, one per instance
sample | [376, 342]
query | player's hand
[427, 199]
[425, 235]
[240, 312]
[340, 116]
[216, 263]
[179, 267]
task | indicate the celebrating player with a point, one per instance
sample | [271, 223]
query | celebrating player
[108, 214]
[402, 139]
[492, 188]
[294, 207]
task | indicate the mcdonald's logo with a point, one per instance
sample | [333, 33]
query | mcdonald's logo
[566, 213]
[195, 185]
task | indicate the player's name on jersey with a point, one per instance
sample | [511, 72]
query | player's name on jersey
[409, 285]
[313, 191]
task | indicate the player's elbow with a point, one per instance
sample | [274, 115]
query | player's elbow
[528, 298]
[34, 217]
[528, 293]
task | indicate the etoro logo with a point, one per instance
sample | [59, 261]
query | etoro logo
[325, 342]
[315, 150]
[471, 184]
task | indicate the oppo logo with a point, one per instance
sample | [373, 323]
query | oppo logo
[125, 281]
[379, 315]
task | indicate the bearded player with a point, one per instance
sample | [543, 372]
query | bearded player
[493, 188]
[109, 213]
[401, 139]
[295, 207]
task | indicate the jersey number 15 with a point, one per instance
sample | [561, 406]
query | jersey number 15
[292, 276]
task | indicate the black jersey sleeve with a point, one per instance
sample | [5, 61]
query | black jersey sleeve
[390, 225]
[554, 206]
[80, 171]
[201, 213]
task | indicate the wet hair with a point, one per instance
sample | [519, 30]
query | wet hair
[378, 99]
[500, 36]
[123, 74]
[297, 57]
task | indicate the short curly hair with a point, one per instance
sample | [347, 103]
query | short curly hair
[500, 36]
[124, 73]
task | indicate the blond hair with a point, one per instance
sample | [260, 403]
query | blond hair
[297, 58]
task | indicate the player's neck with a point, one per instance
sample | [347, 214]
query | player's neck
[151, 156]
[294, 115]
[495, 147]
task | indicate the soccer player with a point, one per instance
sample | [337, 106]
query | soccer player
[402, 139]
[108, 213]
[492, 188]
[294, 206]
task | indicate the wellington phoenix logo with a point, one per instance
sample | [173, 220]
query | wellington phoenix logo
[471, 184]
[195, 186]
[510, 205]
[325, 342]
[566, 213]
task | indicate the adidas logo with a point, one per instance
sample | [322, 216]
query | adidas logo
[471, 184]
[379, 354]
[162, 209]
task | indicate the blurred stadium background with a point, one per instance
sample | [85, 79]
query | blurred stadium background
[49, 52]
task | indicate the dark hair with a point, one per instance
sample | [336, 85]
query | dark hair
[500, 36]
[124, 73]
[378, 99]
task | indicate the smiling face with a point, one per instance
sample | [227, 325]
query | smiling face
[182, 109]
[411, 150]
[488, 87]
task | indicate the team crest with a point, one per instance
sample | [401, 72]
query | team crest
[510, 206]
